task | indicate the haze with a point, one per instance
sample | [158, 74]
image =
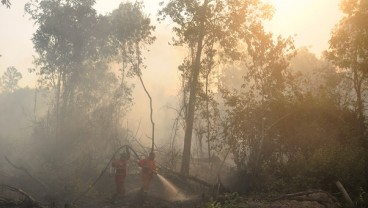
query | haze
[195, 103]
[308, 21]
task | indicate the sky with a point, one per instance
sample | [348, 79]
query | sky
[309, 21]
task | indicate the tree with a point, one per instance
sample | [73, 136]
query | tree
[6, 3]
[262, 101]
[294, 126]
[75, 48]
[202, 24]
[10, 79]
[69, 42]
[132, 32]
[348, 49]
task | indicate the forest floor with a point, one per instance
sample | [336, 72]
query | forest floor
[160, 196]
[314, 200]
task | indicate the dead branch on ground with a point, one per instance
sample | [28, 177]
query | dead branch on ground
[26, 171]
[319, 196]
[14, 197]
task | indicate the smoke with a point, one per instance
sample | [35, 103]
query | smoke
[162, 80]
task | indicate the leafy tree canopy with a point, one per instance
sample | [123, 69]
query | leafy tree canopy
[349, 41]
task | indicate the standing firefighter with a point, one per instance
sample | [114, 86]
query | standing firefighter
[120, 166]
[148, 166]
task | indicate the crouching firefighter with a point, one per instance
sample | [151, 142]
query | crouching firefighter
[148, 167]
[120, 166]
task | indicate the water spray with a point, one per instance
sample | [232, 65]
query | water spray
[171, 189]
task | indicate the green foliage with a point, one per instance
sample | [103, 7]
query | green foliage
[322, 170]
[348, 50]
[217, 32]
[76, 52]
[362, 200]
[295, 132]
[349, 40]
[131, 32]
[75, 49]
[68, 34]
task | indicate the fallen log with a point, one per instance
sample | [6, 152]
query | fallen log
[344, 193]
[322, 197]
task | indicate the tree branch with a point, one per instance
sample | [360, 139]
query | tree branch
[150, 98]
[27, 172]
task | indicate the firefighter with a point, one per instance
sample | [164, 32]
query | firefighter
[148, 166]
[120, 166]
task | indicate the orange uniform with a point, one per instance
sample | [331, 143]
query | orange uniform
[148, 170]
[120, 166]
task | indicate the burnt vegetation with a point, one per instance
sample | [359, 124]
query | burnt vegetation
[258, 123]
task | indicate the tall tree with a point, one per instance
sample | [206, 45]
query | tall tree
[262, 101]
[201, 24]
[349, 49]
[75, 48]
[10, 79]
[132, 32]
[68, 37]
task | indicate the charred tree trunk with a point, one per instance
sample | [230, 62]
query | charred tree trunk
[207, 105]
[57, 110]
[193, 92]
[359, 102]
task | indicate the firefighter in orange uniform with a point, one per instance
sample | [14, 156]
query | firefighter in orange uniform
[148, 166]
[120, 166]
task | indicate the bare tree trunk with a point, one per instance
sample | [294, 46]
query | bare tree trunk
[150, 99]
[151, 114]
[58, 91]
[35, 104]
[358, 80]
[192, 97]
[208, 121]
[210, 67]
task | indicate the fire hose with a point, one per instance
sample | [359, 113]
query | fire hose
[104, 170]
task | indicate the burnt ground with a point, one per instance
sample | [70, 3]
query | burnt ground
[133, 200]
[159, 196]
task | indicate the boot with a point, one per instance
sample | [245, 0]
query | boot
[113, 199]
